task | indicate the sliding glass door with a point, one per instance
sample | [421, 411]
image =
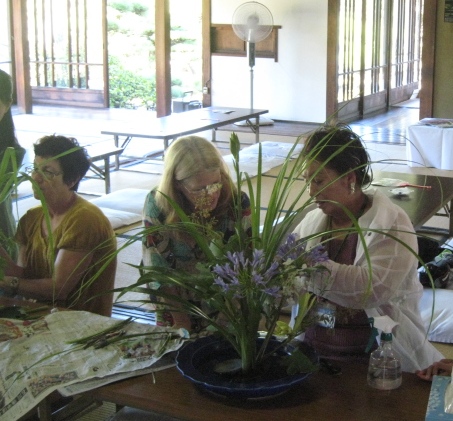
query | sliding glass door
[378, 62]
[67, 51]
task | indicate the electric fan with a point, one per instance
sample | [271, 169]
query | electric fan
[252, 22]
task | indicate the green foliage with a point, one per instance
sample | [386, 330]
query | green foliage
[139, 9]
[129, 90]
[113, 27]
[121, 6]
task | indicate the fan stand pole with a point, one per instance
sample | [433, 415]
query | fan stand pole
[251, 88]
[262, 121]
[251, 55]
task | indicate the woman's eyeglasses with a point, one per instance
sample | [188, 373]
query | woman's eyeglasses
[207, 190]
[46, 173]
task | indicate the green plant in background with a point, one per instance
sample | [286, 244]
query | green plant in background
[132, 50]
[137, 8]
[129, 90]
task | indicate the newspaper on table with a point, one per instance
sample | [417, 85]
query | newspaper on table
[36, 359]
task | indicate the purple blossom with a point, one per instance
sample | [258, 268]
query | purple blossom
[274, 291]
[318, 254]
[291, 248]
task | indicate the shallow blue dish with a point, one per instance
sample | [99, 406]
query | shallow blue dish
[196, 361]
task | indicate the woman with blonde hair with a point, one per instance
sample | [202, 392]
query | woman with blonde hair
[187, 161]
[195, 177]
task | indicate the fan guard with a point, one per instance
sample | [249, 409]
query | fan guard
[252, 22]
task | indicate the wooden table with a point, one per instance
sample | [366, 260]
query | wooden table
[176, 125]
[422, 204]
[321, 397]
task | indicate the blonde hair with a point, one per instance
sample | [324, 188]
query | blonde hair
[186, 157]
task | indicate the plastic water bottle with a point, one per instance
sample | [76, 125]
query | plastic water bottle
[384, 370]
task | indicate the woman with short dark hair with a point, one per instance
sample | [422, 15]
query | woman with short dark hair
[61, 258]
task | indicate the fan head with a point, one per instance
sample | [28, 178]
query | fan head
[252, 22]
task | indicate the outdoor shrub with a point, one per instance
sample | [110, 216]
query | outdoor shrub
[129, 90]
[121, 7]
[139, 9]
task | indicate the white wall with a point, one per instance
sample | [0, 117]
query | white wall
[294, 88]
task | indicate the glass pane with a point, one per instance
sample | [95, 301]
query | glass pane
[349, 58]
[60, 54]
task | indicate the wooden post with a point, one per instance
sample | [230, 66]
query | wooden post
[163, 70]
[22, 57]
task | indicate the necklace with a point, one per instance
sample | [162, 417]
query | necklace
[343, 243]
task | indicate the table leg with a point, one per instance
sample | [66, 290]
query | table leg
[257, 129]
[107, 173]
[117, 157]
[450, 220]
[214, 133]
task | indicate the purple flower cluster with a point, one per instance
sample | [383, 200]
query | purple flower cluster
[242, 274]
[295, 250]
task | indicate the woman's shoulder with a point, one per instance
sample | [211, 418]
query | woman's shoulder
[384, 211]
[33, 213]
[310, 222]
[151, 196]
[150, 205]
[86, 211]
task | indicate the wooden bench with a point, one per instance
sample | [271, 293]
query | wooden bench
[99, 152]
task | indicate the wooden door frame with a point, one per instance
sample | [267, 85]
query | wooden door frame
[428, 58]
[163, 69]
[21, 56]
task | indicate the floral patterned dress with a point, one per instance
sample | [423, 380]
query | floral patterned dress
[165, 248]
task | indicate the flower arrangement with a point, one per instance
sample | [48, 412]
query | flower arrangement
[245, 282]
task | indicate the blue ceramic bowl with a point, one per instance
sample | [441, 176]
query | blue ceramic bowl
[196, 361]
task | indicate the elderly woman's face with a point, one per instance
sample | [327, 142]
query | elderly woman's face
[325, 184]
[48, 175]
[203, 189]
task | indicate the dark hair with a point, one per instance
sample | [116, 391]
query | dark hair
[74, 164]
[341, 150]
[7, 131]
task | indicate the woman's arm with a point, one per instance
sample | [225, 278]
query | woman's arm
[70, 266]
[393, 266]
[385, 277]
[157, 251]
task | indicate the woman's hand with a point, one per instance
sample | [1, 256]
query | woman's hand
[11, 268]
[439, 368]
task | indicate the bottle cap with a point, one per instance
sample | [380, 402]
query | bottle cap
[386, 336]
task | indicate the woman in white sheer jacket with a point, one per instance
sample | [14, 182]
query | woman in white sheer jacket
[372, 277]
